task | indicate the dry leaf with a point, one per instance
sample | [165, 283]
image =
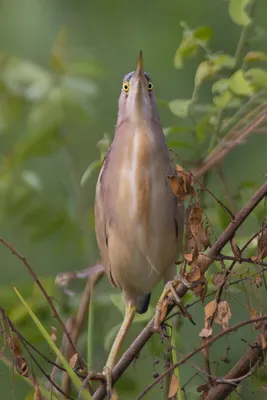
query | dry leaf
[182, 183]
[218, 279]
[209, 311]
[193, 275]
[188, 257]
[73, 360]
[253, 314]
[205, 332]
[262, 244]
[174, 386]
[223, 314]
[21, 366]
[53, 333]
[235, 249]
[205, 237]
[258, 281]
[195, 220]
[263, 342]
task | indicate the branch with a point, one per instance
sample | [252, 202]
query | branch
[255, 355]
[204, 262]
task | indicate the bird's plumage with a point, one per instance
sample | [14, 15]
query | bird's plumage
[139, 221]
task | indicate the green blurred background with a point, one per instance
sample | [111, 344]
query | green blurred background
[46, 145]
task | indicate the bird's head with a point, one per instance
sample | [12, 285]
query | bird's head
[137, 101]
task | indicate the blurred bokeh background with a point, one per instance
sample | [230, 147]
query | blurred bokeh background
[61, 69]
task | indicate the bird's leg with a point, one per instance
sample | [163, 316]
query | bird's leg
[130, 310]
[162, 305]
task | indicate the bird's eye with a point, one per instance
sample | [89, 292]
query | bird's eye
[150, 85]
[126, 86]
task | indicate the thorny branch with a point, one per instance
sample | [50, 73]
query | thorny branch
[203, 261]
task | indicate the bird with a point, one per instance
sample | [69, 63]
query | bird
[138, 220]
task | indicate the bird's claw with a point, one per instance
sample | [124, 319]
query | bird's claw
[169, 289]
[111, 392]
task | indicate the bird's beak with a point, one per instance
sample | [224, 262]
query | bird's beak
[138, 99]
[139, 72]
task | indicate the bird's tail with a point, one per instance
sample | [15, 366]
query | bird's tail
[142, 303]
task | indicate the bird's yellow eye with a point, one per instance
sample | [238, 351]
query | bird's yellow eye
[150, 85]
[126, 86]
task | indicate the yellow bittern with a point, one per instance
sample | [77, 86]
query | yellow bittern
[138, 220]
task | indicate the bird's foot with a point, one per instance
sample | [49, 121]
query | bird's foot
[111, 392]
[169, 294]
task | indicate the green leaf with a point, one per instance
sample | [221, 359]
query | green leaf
[220, 86]
[257, 76]
[89, 171]
[239, 85]
[74, 378]
[223, 99]
[187, 48]
[204, 71]
[222, 61]
[237, 12]
[203, 33]
[180, 107]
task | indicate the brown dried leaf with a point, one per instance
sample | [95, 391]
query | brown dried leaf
[53, 333]
[258, 281]
[223, 314]
[253, 314]
[195, 220]
[174, 386]
[235, 249]
[209, 311]
[188, 257]
[218, 279]
[21, 366]
[262, 244]
[194, 274]
[205, 237]
[263, 342]
[182, 183]
[205, 332]
[73, 360]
